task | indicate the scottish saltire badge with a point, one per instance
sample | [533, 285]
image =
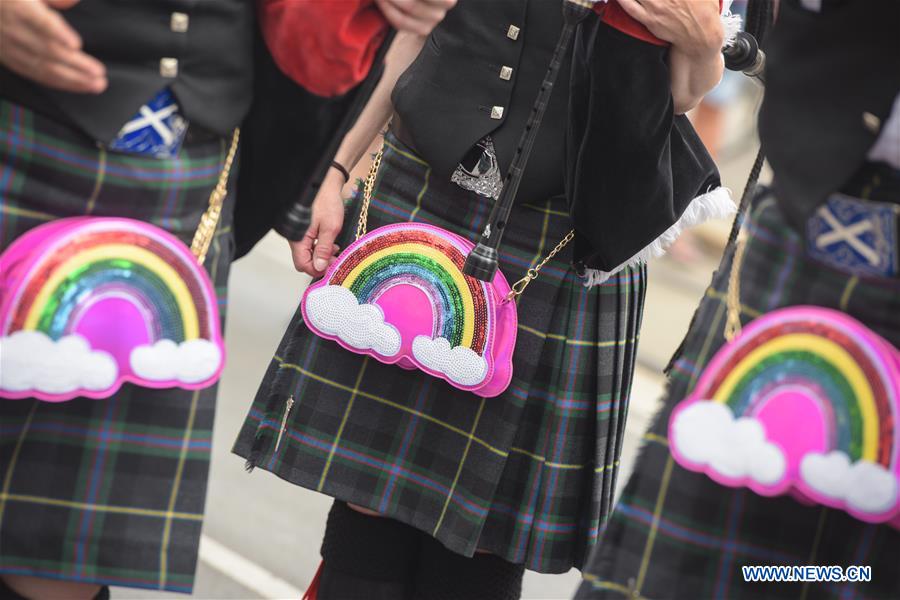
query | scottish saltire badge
[157, 129]
[854, 235]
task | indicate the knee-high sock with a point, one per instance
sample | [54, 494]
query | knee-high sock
[367, 558]
[445, 575]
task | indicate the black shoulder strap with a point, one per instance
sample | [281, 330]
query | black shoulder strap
[482, 262]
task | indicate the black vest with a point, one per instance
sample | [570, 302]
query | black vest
[202, 49]
[478, 74]
[627, 165]
[825, 73]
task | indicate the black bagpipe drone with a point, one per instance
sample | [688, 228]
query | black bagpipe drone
[743, 54]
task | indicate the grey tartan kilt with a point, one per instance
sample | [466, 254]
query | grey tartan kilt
[106, 491]
[678, 534]
[528, 475]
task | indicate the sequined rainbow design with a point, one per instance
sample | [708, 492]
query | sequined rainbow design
[90, 303]
[806, 400]
[399, 294]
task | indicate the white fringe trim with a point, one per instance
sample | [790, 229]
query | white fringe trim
[715, 204]
[731, 24]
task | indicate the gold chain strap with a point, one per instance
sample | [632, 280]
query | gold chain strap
[517, 288]
[368, 188]
[207, 228]
[733, 295]
[530, 275]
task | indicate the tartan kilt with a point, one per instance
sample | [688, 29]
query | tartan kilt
[528, 475]
[678, 534]
[106, 491]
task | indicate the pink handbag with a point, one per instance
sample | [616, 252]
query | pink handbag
[399, 295]
[90, 303]
[803, 401]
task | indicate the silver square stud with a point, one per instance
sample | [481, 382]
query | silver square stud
[179, 22]
[506, 73]
[872, 122]
[497, 112]
[513, 32]
[168, 67]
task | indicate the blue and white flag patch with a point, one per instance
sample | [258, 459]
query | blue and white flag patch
[157, 129]
[854, 235]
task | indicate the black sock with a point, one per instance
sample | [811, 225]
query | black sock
[367, 558]
[446, 575]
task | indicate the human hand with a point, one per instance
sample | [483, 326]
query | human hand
[37, 43]
[316, 251]
[694, 27]
[416, 16]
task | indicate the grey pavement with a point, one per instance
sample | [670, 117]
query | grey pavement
[262, 535]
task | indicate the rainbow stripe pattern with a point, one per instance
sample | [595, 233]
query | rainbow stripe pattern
[90, 303]
[399, 295]
[805, 401]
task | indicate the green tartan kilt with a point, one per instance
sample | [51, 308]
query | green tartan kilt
[528, 475]
[106, 491]
[678, 534]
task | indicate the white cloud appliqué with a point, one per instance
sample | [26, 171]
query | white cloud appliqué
[31, 361]
[191, 361]
[461, 365]
[865, 486]
[706, 433]
[334, 310]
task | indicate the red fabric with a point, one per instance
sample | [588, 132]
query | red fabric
[312, 592]
[614, 15]
[326, 47]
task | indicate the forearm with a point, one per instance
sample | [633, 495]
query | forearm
[693, 76]
[378, 110]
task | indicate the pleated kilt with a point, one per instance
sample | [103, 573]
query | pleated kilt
[678, 534]
[106, 491]
[528, 475]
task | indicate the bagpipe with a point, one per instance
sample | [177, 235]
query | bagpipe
[607, 138]
[673, 165]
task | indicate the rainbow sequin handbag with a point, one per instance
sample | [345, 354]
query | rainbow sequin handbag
[803, 401]
[399, 294]
[90, 303]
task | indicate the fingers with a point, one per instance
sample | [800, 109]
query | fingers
[323, 251]
[303, 254]
[79, 61]
[74, 78]
[636, 10]
[317, 250]
[37, 43]
[50, 26]
[416, 16]
[69, 70]
[62, 4]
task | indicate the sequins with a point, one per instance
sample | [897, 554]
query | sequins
[409, 265]
[449, 299]
[121, 270]
[97, 278]
[826, 374]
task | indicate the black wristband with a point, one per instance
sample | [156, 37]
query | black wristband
[342, 169]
